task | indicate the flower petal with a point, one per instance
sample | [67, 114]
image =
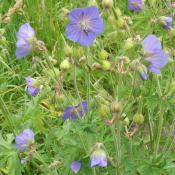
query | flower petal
[96, 26]
[86, 38]
[159, 59]
[91, 12]
[75, 166]
[22, 51]
[76, 14]
[26, 32]
[151, 43]
[67, 112]
[73, 32]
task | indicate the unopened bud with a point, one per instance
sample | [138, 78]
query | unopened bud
[52, 60]
[138, 118]
[65, 65]
[118, 12]
[103, 54]
[120, 22]
[128, 44]
[68, 51]
[116, 107]
[78, 53]
[126, 121]
[106, 65]
[107, 3]
[104, 110]
[61, 98]
[170, 61]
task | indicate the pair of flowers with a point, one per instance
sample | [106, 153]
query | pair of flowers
[85, 25]
[98, 158]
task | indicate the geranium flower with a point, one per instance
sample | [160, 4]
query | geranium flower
[85, 24]
[75, 166]
[24, 140]
[75, 111]
[33, 90]
[135, 5]
[166, 21]
[25, 39]
[98, 158]
[154, 54]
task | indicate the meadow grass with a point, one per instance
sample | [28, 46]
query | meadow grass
[150, 151]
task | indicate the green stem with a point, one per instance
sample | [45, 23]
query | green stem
[94, 171]
[159, 130]
[159, 87]
[116, 139]
[88, 78]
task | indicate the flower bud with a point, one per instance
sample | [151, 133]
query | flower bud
[116, 107]
[128, 44]
[52, 72]
[138, 118]
[120, 23]
[60, 98]
[143, 72]
[118, 12]
[166, 22]
[107, 3]
[126, 121]
[104, 110]
[78, 53]
[65, 65]
[52, 60]
[68, 51]
[170, 61]
[103, 54]
[106, 65]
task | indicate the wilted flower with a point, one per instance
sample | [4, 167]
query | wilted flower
[98, 158]
[75, 166]
[135, 5]
[166, 21]
[75, 111]
[32, 86]
[154, 54]
[85, 24]
[24, 140]
[25, 38]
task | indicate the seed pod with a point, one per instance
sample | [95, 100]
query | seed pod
[106, 65]
[138, 118]
[103, 54]
[116, 107]
[65, 65]
[107, 3]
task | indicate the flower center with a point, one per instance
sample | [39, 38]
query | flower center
[84, 24]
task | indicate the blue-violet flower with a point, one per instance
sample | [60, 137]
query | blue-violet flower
[85, 24]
